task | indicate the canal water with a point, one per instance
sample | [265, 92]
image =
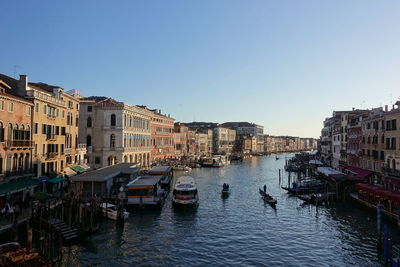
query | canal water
[240, 230]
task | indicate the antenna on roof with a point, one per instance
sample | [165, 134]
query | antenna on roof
[15, 71]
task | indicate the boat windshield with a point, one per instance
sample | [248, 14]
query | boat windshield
[185, 192]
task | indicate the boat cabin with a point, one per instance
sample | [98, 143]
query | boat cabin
[146, 190]
[166, 172]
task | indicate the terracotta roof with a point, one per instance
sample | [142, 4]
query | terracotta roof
[44, 86]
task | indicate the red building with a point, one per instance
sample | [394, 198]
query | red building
[15, 135]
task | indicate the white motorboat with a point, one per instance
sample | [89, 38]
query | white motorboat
[111, 211]
[185, 191]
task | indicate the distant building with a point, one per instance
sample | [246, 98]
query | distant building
[223, 140]
[180, 139]
[246, 128]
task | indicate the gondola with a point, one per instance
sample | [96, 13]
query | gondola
[225, 192]
[267, 198]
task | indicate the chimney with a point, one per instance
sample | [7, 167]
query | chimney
[386, 107]
[22, 85]
[353, 109]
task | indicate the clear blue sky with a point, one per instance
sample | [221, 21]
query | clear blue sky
[282, 64]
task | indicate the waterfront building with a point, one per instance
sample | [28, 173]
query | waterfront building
[16, 143]
[114, 132]
[180, 139]
[203, 141]
[354, 134]
[391, 137]
[326, 141]
[223, 140]
[373, 142]
[162, 136]
[49, 121]
[245, 144]
[269, 144]
[246, 128]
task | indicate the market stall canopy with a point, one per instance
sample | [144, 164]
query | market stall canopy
[17, 186]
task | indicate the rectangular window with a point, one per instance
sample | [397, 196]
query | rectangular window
[44, 109]
[28, 110]
[63, 114]
[37, 107]
[89, 108]
[10, 107]
[57, 130]
[1, 105]
[43, 128]
[35, 128]
[62, 130]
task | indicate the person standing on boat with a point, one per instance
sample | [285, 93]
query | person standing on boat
[265, 188]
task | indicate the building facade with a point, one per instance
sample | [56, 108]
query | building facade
[114, 132]
[162, 136]
[16, 143]
[223, 140]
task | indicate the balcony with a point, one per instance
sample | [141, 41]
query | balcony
[81, 147]
[51, 137]
[18, 144]
[51, 155]
[51, 116]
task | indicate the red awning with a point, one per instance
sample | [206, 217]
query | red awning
[392, 180]
[379, 191]
[358, 171]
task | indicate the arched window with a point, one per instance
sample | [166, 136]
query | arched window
[88, 140]
[112, 119]
[112, 140]
[89, 122]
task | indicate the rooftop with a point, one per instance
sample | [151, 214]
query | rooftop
[106, 173]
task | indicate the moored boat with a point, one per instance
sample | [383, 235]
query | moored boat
[146, 191]
[185, 192]
[110, 211]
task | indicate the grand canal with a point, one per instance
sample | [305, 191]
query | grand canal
[240, 230]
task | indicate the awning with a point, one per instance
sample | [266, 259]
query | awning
[358, 171]
[78, 169]
[70, 172]
[85, 166]
[315, 162]
[17, 186]
[57, 180]
[328, 171]
[392, 180]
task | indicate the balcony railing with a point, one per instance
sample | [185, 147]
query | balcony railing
[18, 143]
[67, 151]
[25, 172]
[51, 155]
[81, 147]
[52, 137]
[51, 116]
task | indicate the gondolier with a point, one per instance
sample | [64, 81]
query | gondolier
[265, 188]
